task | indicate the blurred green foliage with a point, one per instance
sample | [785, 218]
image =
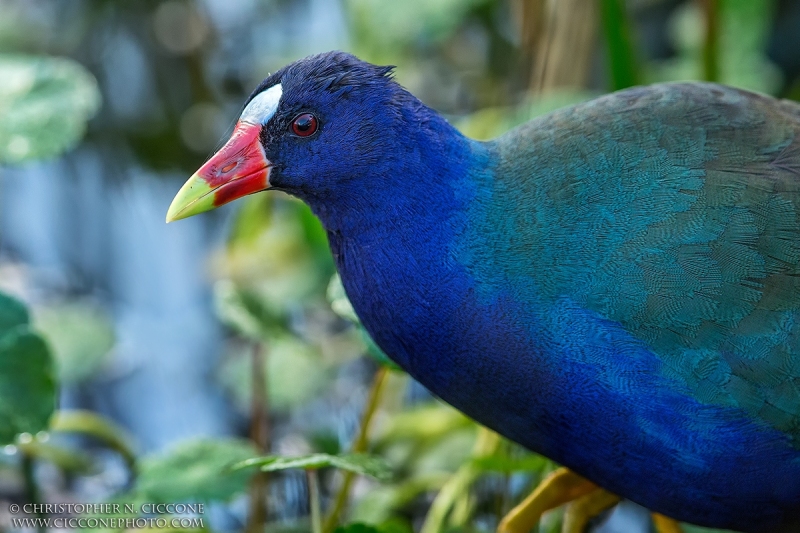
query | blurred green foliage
[743, 32]
[292, 375]
[45, 103]
[198, 470]
[414, 23]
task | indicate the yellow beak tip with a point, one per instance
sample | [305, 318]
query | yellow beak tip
[194, 197]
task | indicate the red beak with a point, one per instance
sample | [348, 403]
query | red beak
[239, 168]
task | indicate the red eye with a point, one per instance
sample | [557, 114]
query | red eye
[304, 125]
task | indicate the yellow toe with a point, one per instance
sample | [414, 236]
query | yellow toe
[665, 524]
[558, 488]
[580, 511]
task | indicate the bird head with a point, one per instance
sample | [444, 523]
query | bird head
[319, 128]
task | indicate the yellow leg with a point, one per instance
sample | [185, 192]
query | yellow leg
[580, 511]
[665, 524]
[558, 488]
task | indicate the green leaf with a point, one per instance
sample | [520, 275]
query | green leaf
[315, 235]
[13, 313]
[96, 426]
[367, 465]
[80, 336]
[427, 422]
[357, 528]
[244, 312]
[380, 503]
[396, 525]
[27, 384]
[339, 302]
[44, 106]
[254, 214]
[198, 470]
[270, 258]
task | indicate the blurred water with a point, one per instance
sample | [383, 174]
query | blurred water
[626, 517]
[80, 233]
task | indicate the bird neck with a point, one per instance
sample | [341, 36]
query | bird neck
[394, 243]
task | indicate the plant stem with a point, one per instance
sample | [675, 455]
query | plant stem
[259, 423]
[359, 445]
[260, 435]
[32, 494]
[711, 44]
[531, 16]
[566, 46]
[623, 65]
[486, 444]
[504, 495]
[313, 500]
[97, 427]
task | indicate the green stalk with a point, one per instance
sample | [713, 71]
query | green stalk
[313, 500]
[260, 435]
[711, 44]
[460, 483]
[504, 497]
[623, 66]
[97, 427]
[359, 446]
[32, 494]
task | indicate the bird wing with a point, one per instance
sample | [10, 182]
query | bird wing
[675, 211]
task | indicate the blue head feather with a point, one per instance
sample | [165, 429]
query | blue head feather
[374, 142]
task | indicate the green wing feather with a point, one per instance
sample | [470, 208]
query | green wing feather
[674, 210]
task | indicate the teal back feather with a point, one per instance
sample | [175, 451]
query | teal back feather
[675, 211]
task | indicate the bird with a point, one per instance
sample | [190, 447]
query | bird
[614, 285]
